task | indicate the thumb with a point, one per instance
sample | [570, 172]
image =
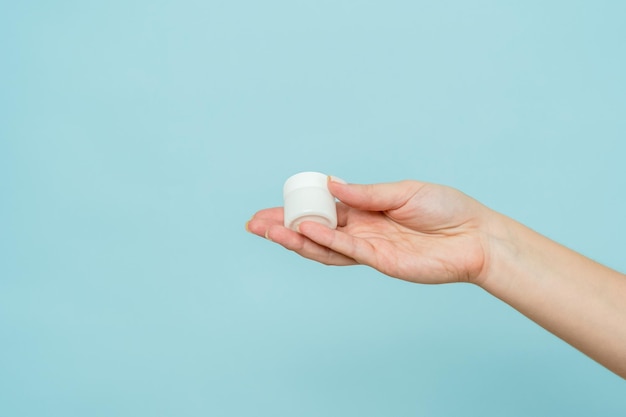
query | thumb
[374, 197]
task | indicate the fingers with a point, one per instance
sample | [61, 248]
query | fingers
[266, 217]
[268, 223]
[307, 248]
[358, 250]
[342, 214]
[375, 197]
[263, 220]
[275, 213]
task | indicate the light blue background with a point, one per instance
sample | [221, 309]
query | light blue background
[136, 138]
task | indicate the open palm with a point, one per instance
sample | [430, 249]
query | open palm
[410, 230]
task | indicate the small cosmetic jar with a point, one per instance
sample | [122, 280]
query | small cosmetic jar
[306, 198]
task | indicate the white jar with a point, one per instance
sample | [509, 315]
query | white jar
[306, 198]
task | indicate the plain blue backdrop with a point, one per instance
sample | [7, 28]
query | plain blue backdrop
[137, 137]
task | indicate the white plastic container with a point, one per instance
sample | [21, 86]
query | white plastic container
[306, 198]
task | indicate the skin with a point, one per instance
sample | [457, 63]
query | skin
[432, 234]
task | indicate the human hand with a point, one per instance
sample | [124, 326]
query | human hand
[410, 230]
[434, 234]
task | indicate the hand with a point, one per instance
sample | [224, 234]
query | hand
[410, 230]
[434, 234]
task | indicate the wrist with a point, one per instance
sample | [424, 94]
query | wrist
[502, 250]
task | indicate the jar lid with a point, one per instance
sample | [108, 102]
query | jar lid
[304, 180]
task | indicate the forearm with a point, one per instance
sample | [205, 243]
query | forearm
[577, 299]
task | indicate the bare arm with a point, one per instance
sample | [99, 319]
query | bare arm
[577, 299]
[433, 234]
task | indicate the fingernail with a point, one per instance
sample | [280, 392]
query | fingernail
[247, 228]
[336, 179]
[267, 235]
